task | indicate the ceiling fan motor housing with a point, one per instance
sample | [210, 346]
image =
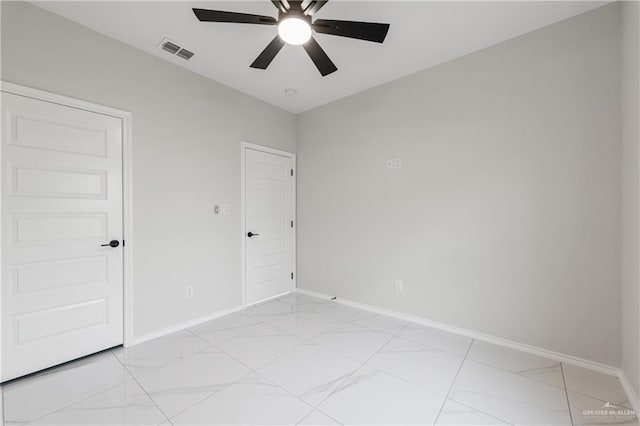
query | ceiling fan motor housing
[294, 13]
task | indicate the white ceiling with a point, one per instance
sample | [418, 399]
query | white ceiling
[422, 34]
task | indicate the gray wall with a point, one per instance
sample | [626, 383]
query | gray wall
[186, 155]
[505, 215]
[631, 192]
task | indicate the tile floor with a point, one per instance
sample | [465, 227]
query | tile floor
[308, 361]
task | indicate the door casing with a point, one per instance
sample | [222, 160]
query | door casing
[243, 149]
[127, 186]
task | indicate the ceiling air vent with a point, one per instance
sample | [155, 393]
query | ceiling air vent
[185, 54]
[169, 46]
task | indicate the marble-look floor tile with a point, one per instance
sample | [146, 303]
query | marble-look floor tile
[435, 338]
[353, 340]
[591, 411]
[596, 385]
[528, 365]
[300, 299]
[378, 322]
[310, 354]
[266, 309]
[221, 329]
[316, 418]
[28, 399]
[372, 397]
[454, 413]
[310, 372]
[153, 354]
[510, 397]
[304, 324]
[126, 404]
[332, 309]
[182, 384]
[253, 400]
[429, 368]
[259, 345]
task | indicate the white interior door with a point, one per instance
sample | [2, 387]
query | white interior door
[269, 227]
[62, 292]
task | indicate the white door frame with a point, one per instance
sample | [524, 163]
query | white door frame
[127, 186]
[243, 231]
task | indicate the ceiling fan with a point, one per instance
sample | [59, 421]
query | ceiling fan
[295, 26]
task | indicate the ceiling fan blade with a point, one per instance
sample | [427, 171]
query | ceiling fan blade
[280, 4]
[319, 57]
[314, 6]
[206, 15]
[264, 59]
[369, 31]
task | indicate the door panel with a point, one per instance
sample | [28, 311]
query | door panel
[268, 212]
[53, 183]
[62, 293]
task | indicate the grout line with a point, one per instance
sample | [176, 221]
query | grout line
[566, 393]
[178, 359]
[210, 346]
[305, 340]
[481, 412]
[227, 385]
[391, 337]
[403, 328]
[363, 364]
[453, 382]
[85, 358]
[292, 394]
[252, 371]
[141, 387]
[520, 373]
[319, 411]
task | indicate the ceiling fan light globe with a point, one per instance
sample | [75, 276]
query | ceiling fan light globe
[294, 31]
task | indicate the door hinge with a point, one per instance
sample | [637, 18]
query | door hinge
[292, 275]
[292, 224]
[291, 172]
[122, 243]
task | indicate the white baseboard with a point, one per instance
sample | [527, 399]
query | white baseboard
[181, 326]
[631, 393]
[535, 350]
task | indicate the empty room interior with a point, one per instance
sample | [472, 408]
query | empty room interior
[320, 212]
